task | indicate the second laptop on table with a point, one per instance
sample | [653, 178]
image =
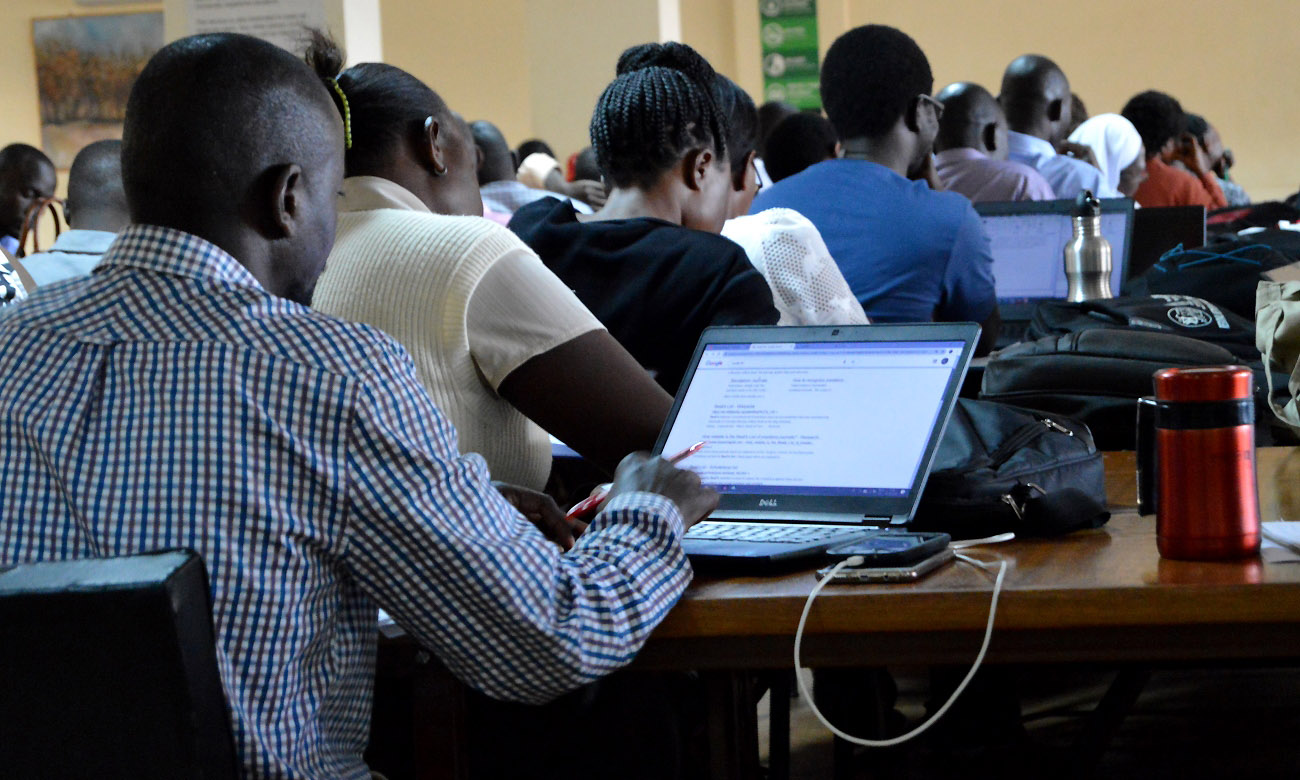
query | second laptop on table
[814, 435]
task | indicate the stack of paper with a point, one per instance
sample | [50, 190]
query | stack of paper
[1281, 543]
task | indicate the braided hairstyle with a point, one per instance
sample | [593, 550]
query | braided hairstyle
[742, 122]
[384, 104]
[660, 106]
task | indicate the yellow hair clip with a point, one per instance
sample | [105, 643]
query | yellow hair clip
[347, 113]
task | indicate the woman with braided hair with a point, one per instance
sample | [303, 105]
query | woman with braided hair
[496, 337]
[650, 264]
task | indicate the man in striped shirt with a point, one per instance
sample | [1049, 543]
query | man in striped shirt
[183, 396]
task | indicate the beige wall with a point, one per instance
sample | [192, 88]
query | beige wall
[573, 45]
[1233, 61]
[473, 54]
[709, 26]
[536, 67]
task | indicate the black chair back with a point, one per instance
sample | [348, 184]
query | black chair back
[108, 669]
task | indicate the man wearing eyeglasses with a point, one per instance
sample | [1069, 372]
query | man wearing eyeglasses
[908, 252]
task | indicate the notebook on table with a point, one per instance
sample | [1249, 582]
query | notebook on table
[1028, 241]
[815, 436]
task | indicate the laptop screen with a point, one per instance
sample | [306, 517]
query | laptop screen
[1028, 242]
[810, 418]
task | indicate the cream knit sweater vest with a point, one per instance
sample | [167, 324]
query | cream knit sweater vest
[411, 275]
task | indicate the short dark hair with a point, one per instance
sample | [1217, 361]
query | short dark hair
[95, 178]
[660, 106]
[1157, 117]
[870, 75]
[770, 115]
[586, 167]
[206, 116]
[968, 108]
[385, 104]
[742, 120]
[534, 146]
[798, 141]
[498, 158]
[1196, 125]
[22, 156]
[1031, 85]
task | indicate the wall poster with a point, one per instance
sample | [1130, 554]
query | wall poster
[282, 22]
[85, 66]
[788, 37]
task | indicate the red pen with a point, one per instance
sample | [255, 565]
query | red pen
[587, 506]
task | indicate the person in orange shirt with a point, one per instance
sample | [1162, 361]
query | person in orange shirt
[1160, 120]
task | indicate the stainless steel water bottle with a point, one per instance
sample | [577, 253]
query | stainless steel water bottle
[1087, 255]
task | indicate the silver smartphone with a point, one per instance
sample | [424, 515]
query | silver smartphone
[910, 572]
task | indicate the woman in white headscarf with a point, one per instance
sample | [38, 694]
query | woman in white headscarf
[1118, 148]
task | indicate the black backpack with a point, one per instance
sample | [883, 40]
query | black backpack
[1000, 468]
[1093, 360]
[1178, 315]
[1095, 375]
[1225, 272]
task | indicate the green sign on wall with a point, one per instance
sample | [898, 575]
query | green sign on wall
[788, 36]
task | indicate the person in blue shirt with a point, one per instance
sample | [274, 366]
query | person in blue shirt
[1038, 103]
[909, 253]
[96, 211]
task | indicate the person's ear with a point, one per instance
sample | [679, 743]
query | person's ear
[838, 151]
[514, 160]
[429, 147]
[286, 200]
[695, 167]
[738, 177]
[989, 135]
[912, 116]
[1055, 110]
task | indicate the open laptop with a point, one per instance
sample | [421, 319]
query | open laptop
[1028, 241]
[815, 436]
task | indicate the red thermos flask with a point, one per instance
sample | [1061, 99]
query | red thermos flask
[1207, 506]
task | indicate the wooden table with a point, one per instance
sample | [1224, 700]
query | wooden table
[1103, 595]
[1093, 596]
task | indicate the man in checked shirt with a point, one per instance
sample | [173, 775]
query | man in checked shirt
[184, 396]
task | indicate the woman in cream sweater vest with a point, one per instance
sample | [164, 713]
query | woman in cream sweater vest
[505, 349]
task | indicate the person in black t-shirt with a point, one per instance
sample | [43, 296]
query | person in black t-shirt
[650, 264]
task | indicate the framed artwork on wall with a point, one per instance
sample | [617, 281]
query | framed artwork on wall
[85, 66]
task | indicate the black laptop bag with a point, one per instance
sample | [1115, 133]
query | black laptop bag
[1179, 315]
[1000, 468]
[1096, 375]
[1225, 272]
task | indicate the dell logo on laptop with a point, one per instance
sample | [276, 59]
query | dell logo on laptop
[762, 502]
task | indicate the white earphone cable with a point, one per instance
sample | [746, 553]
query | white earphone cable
[979, 659]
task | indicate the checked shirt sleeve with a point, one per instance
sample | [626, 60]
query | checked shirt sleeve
[472, 580]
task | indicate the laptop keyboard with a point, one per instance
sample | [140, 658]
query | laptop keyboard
[716, 531]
